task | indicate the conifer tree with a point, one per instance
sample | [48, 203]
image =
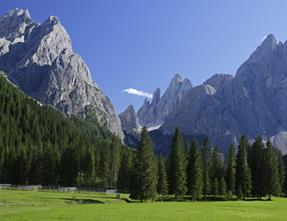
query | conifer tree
[206, 159]
[115, 161]
[162, 184]
[257, 168]
[281, 171]
[217, 169]
[145, 170]
[231, 170]
[125, 171]
[222, 187]
[194, 171]
[177, 166]
[285, 180]
[243, 174]
[272, 181]
[215, 191]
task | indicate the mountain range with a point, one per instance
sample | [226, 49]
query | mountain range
[40, 60]
[252, 102]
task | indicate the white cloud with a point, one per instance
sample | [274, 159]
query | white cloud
[138, 92]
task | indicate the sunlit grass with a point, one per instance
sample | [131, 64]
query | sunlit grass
[32, 205]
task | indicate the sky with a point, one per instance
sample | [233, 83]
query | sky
[134, 46]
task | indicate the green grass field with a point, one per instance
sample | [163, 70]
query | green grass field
[32, 205]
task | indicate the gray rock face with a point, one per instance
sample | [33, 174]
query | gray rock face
[129, 121]
[254, 102]
[280, 141]
[39, 59]
[154, 113]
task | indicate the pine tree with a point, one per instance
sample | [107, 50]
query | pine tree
[222, 187]
[215, 190]
[115, 161]
[206, 151]
[231, 170]
[145, 173]
[281, 170]
[125, 170]
[257, 168]
[194, 171]
[285, 180]
[243, 174]
[217, 168]
[162, 184]
[177, 166]
[272, 181]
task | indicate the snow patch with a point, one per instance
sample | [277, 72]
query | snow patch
[154, 127]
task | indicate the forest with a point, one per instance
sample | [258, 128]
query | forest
[42, 146]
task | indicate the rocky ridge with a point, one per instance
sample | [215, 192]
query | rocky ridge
[39, 58]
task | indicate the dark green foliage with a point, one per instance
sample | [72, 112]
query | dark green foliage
[39, 145]
[125, 170]
[285, 179]
[281, 171]
[177, 166]
[243, 174]
[145, 171]
[217, 169]
[194, 172]
[231, 170]
[222, 187]
[215, 187]
[272, 180]
[257, 168]
[206, 163]
[162, 184]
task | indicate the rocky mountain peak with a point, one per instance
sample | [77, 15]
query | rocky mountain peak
[153, 114]
[129, 120]
[43, 64]
[13, 24]
[268, 44]
[18, 12]
[156, 96]
[218, 80]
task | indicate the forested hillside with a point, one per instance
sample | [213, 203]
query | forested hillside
[40, 145]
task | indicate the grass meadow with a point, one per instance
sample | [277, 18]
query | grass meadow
[36, 205]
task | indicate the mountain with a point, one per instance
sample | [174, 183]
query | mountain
[153, 114]
[40, 60]
[253, 102]
[129, 120]
[130, 125]
[40, 145]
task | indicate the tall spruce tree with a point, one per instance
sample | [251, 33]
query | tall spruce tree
[145, 170]
[285, 180]
[206, 159]
[243, 173]
[125, 170]
[115, 161]
[281, 170]
[177, 166]
[257, 168]
[162, 184]
[222, 187]
[231, 170]
[272, 181]
[217, 169]
[194, 171]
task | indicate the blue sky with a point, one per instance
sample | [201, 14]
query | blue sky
[142, 43]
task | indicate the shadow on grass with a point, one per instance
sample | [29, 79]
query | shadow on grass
[83, 201]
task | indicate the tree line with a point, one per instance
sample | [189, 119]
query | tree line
[40, 145]
[254, 170]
